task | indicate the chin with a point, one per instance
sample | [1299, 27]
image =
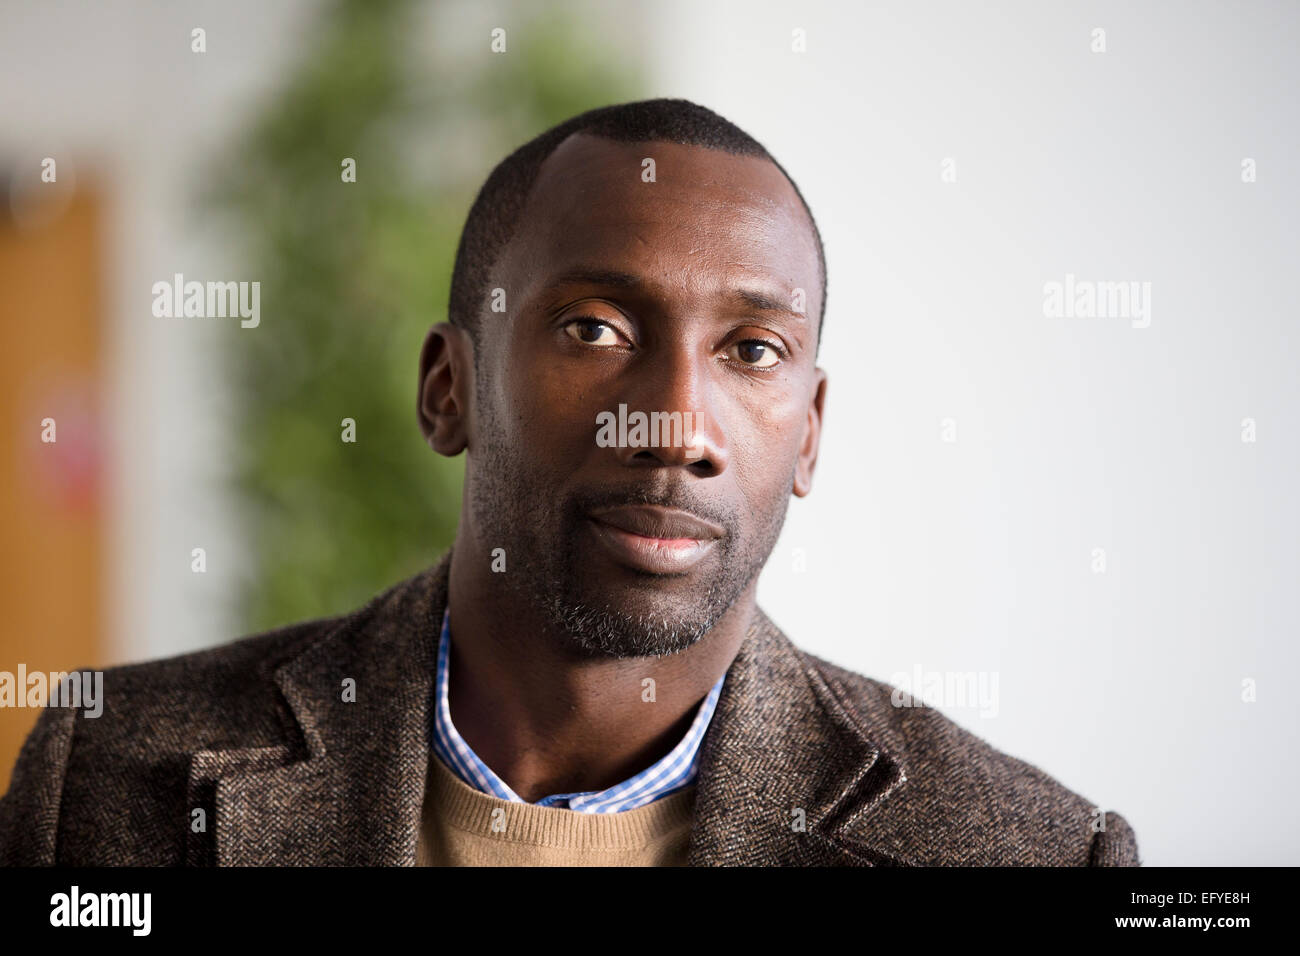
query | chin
[629, 628]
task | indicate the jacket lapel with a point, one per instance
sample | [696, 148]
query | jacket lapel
[356, 796]
[787, 776]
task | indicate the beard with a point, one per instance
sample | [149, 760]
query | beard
[547, 552]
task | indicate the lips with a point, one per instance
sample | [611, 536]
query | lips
[652, 521]
[652, 539]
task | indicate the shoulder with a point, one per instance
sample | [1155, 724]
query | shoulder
[105, 787]
[227, 696]
[961, 800]
[220, 696]
[124, 740]
[128, 772]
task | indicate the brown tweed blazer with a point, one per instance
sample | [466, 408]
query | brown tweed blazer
[257, 737]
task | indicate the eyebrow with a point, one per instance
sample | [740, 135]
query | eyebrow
[754, 298]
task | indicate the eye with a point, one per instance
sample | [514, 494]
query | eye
[592, 332]
[756, 353]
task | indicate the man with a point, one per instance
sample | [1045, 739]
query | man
[585, 677]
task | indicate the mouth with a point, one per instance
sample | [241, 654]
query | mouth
[654, 540]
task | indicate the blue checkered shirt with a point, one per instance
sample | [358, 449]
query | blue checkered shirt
[667, 776]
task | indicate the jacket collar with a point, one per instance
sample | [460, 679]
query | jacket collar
[786, 776]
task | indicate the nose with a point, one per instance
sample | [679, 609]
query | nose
[670, 422]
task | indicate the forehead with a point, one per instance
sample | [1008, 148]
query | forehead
[707, 214]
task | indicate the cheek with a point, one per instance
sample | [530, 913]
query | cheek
[765, 437]
[771, 421]
[547, 404]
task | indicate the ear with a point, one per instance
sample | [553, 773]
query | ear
[446, 383]
[811, 438]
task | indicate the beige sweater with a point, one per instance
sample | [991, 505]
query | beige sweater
[462, 826]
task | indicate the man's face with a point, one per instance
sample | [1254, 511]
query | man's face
[681, 295]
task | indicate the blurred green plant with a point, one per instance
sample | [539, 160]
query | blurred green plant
[353, 275]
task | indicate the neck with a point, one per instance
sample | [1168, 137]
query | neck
[547, 720]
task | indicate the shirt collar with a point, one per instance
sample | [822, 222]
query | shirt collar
[673, 772]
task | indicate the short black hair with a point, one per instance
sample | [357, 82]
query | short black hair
[495, 213]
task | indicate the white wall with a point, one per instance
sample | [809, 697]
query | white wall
[1072, 434]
